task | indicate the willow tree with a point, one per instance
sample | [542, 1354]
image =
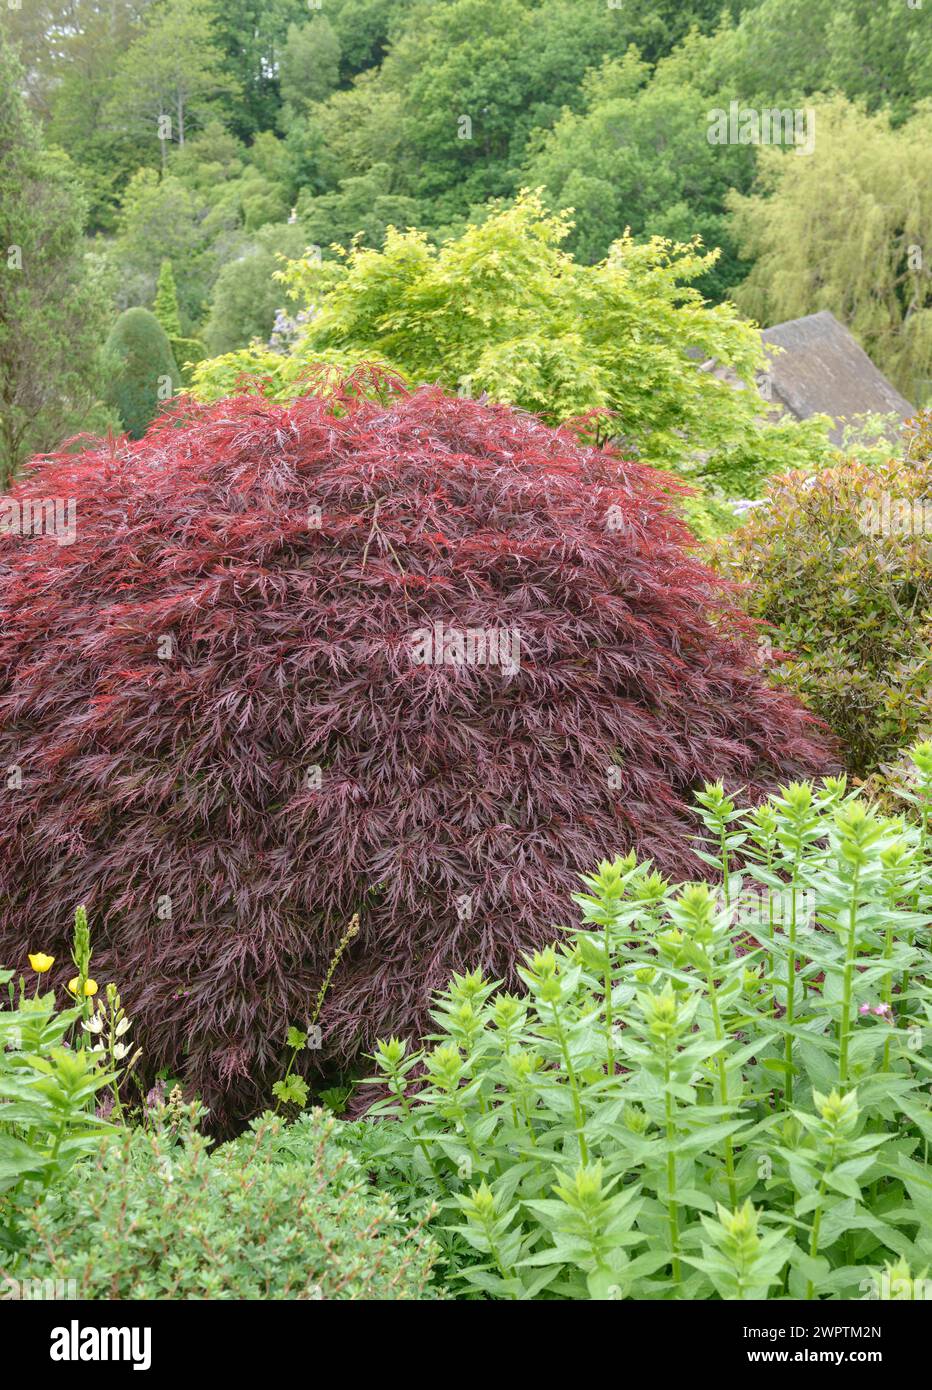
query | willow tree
[849, 229]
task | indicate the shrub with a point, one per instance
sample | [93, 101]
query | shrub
[187, 352]
[281, 1213]
[918, 435]
[838, 568]
[704, 1095]
[232, 735]
[143, 372]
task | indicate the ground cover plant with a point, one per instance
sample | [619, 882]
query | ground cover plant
[701, 1094]
[283, 1212]
[415, 658]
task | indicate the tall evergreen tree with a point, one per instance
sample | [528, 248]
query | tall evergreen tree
[52, 311]
[165, 307]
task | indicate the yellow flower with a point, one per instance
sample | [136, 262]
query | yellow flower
[90, 986]
[41, 962]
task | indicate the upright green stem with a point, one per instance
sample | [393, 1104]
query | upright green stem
[489, 1225]
[573, 1084]
[609, 1017]
[847, 982]
[722, 1084]
[817, 1220]
[791, 989]
[400, 1090]
[887, 993]
[771, 955]
[672, 1208]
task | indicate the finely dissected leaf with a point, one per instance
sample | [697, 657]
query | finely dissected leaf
[227, 749]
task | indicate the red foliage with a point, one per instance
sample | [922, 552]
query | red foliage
[456, 803]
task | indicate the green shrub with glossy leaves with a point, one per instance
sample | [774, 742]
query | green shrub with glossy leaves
[839, 567]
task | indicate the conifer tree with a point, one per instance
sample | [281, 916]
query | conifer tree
[52, 310]
[166, 301]
[143, 375]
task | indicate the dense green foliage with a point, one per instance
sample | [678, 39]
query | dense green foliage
[637, 156]
[52, 303]
[839, 568]
[281, 1213]
[165, 307]
[702, 1095]
[219, 136]
[246, 295]
[504, 310]
[866, 256]
[143, 375]
[47, 1094]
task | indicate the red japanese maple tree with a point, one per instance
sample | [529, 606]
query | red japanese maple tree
[423, 659]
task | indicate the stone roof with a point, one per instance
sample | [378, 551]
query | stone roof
[822, 370]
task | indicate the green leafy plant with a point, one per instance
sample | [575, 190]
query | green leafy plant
[283, 1212]
[292, 1088]
[708, 1092]
[838, 565]
[54, 1064]
[504, 311]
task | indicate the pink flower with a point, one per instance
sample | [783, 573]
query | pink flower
[864, 1009]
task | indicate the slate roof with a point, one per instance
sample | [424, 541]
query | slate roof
[822, 370]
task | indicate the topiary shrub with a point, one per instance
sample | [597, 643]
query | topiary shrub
[143, 374]
[236, 727]
[839, 564]
[282, 1212]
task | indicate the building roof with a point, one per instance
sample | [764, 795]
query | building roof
[822, 370]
